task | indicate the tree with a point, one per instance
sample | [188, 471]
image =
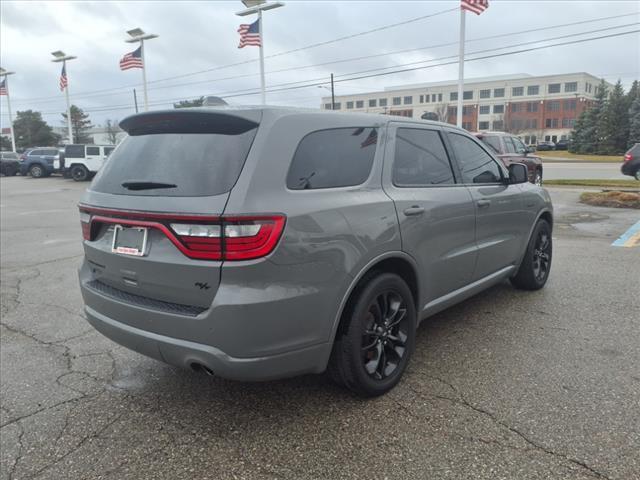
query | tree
[80, 124]
[112, 131]
[634, 122]
[32, 131]
[592, 122]
[614, 123]
[198, 102]
[5, 144]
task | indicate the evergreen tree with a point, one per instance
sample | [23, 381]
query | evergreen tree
[634, 92]
[32, 131]
[594, 121]
[198, 102]
[577, 134]
[634, 122]
[80, 124]
[614, 123]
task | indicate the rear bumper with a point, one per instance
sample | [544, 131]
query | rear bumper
[183, 353]
[630, 168]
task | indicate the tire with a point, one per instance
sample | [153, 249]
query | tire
[637, 175]
[537, 179]
[373, 371]
[536, 263]
[79, 173]
[37, 171]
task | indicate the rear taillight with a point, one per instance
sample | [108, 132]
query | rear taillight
[206, 238]
[628, 157]
[85, 221]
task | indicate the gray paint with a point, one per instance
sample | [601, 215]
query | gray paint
[277, 316]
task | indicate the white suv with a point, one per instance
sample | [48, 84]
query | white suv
[81, 162]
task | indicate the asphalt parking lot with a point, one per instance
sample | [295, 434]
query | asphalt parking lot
[507, 385]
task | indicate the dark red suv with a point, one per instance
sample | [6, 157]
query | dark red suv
[510, 149]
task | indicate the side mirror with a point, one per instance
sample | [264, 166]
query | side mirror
[518, 173]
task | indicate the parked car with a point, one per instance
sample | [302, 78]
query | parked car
[9, 163]
[39, 162]
[262, 243]
[81, 162]
[563, 144]
[631, 164]
[545, 146]
[510, 149]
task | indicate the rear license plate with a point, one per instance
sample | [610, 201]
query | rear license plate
[129, 240]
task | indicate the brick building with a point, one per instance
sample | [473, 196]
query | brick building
[535, 108]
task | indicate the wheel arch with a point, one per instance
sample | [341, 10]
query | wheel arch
[396, 262]
[544, 214]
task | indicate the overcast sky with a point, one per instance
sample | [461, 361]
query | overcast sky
[196, 36]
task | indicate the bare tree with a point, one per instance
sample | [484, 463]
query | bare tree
[112, 131]
[442, 111]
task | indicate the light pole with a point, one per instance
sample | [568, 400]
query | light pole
[4, 74]
[60, 56]
[333, 96]
[258, 6]
[138, 36]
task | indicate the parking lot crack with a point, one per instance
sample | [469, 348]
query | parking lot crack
[461, 400]
[14, 465]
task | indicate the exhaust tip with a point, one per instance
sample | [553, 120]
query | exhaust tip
[198, 367]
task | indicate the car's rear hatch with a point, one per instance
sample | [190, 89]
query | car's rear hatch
[151, 217]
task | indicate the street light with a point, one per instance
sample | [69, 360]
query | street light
[60, 56]
[4, 74]
[138, 36]
[258, 6]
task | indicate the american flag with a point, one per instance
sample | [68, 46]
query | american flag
[3, 87]
[475, 6]
[249, 34]
[63, 78]
[132, 60]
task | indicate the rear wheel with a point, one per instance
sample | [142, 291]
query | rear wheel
[637, 174]
[36, 171]
[376, 338]
[79, 173]
[536, 264]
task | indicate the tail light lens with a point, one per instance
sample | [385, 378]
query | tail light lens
[85, 221]
[220, 238]
[628, 157]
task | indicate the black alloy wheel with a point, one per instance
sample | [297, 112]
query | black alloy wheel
[384, 341]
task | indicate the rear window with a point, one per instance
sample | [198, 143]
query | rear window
[74, 151]
[339, 157]
[163, 150]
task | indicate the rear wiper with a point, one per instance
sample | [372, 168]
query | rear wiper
[146, 185]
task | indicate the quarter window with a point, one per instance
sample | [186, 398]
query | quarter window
[420, 159]
[339, 157]
[476, 165]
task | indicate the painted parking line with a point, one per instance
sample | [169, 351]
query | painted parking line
[630, 238]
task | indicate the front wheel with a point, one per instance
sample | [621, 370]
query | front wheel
[376, 337]
[536, 264]
[79, 173]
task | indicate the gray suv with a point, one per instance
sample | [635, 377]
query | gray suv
[262, 243]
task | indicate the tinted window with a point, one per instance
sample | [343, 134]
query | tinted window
[476, 165]
[339, 157]
[198, 164]
[36, 152]
[420, 159]
[74, 151]
[108, 150]
[492, 142]
[93, 150]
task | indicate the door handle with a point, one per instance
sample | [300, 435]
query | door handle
[483, 203]
[413, 210]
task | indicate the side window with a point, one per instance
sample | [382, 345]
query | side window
[492, 142]
[476, 165]
[520, 148]
[93, 150]
[37, 152]
[74, 151]
[420, 159]
[508, 145]
[339, 157]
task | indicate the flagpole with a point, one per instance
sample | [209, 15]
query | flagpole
[144, 76]
[263, 93]
[460, 69]
[66, 94]
[6, 86]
